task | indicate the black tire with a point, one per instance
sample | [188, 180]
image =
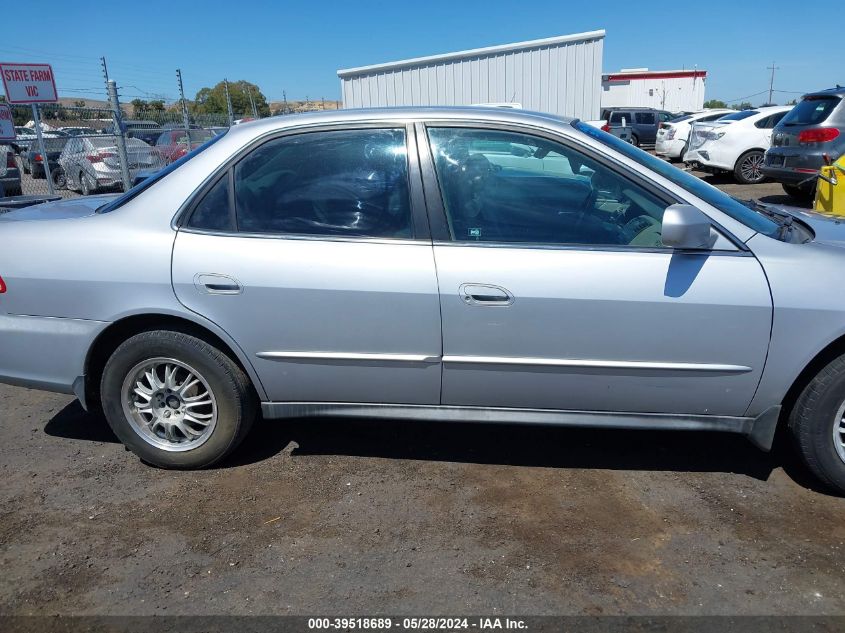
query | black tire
[85, 187]
[815, 416]
[635, 140]
[231, 388]
[59, 178]
[747, 169]
[802, 194]
[684, 150]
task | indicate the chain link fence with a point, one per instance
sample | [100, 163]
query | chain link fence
[90, 150]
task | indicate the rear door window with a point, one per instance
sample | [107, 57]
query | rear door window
[645, 118]
[345, 183]
[811, 111]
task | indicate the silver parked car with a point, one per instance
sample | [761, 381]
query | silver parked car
[470, 264]
[91, 163]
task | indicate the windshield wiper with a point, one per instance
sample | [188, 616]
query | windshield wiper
[783, 219]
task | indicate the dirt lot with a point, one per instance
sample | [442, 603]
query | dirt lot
[340, 517]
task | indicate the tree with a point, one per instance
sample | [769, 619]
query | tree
[213, 100]
[745, 105]
[715, 103]
[79, 103]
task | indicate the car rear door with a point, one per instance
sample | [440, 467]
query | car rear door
[556, 292]
[312, 251]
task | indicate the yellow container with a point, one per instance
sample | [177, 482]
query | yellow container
[830, 193]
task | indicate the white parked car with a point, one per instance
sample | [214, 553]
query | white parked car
[673, 135]
[735, 143]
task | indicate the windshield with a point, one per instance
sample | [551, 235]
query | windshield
[739, 116]
[732, 207]
[141, 186]
[811, 111]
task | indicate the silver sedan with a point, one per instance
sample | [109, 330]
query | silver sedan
[470, 264]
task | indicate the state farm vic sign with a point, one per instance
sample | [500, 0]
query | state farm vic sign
[28, 83]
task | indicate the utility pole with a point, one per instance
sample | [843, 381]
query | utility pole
[185, 119]
[228, 103]
[285, 99]
[36, 118]
[252, 101]
[773, 68]
[119, 135]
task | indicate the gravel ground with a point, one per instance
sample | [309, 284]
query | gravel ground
[341, 517]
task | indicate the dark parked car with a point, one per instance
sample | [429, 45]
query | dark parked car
[815, 127]
[10, 175]
[644, 122]
[33, 159]
[147, 131]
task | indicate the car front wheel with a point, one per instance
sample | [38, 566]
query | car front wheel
[817, 423]
[175, 400]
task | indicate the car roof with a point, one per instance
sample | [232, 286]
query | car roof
[839, 91]
[401, 115]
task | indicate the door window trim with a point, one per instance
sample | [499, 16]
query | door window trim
[416, 196]
[441, 236]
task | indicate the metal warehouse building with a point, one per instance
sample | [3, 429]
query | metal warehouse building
[673, 90]
[561, 75]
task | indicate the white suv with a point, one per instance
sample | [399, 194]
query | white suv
[673, 135]
[735, 143]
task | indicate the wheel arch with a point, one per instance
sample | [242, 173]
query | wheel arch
[832, 350]
[127, 326]
[747, 151]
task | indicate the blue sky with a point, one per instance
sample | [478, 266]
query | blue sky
[298, 46]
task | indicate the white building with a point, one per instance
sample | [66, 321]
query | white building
[560, 75]
[673, 90]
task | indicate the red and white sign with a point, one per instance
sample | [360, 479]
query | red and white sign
[7, 123]
[28, 83]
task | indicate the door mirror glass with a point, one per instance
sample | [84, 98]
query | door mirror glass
[685, 227]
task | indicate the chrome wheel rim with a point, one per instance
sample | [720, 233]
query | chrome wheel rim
[169, 404]
[751, 168]
[839, 432]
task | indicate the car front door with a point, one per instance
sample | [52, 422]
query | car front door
[312, 251]
[557, 293]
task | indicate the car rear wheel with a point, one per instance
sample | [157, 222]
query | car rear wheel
[748, 169]
[817, 423]
[85, 186]
[175, 400]
[802, 194]
[635, 140]
[59, 178]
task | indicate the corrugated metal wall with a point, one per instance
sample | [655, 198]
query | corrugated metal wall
[673, 94]
[562, 78]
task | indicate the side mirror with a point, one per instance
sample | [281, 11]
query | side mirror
[685, 227]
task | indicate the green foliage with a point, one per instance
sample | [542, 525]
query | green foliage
[142, 108]
[715, 103]
[745, 105]
[79, 103]
[213, 100]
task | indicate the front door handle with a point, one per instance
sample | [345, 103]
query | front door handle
[485, 295]
[217, 284]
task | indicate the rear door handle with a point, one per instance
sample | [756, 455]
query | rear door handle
[217, 284]
[485, 295]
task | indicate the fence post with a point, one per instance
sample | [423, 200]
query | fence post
[185, 119]
[228, 103]
[117, 116]
[36, 118]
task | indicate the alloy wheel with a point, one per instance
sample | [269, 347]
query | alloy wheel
[751, 168]
[839, 432]
[169, 404]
